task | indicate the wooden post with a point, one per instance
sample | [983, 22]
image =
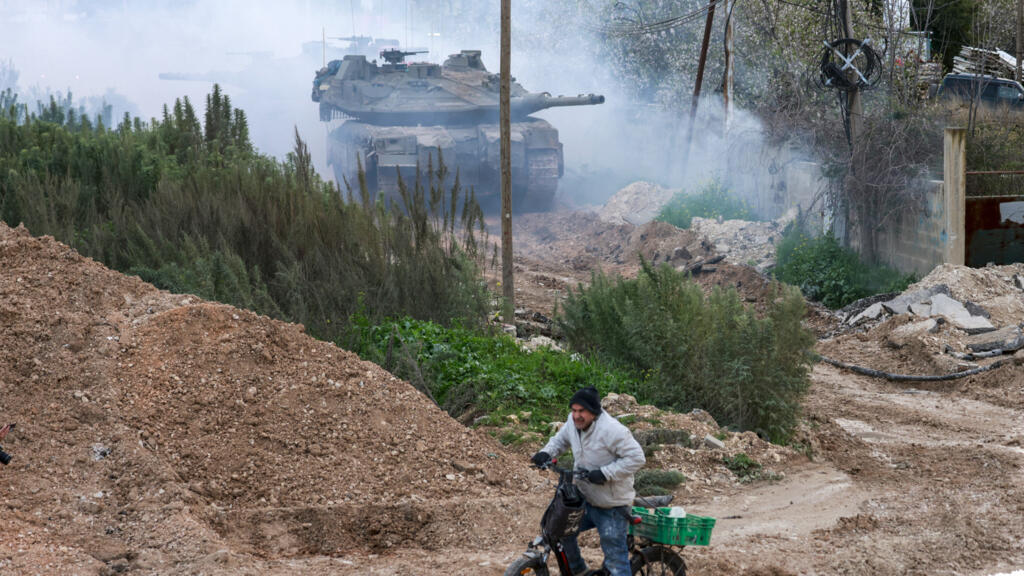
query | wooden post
[856, 109]
[700, 79]
[954, 157]
[508, 291]
[727, 85]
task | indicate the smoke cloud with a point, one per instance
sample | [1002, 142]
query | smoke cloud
[261, 53]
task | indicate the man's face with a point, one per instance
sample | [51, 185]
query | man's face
[581, 417]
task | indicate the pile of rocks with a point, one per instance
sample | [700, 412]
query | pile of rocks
[742, 241]
[636, 204]
[934, 306]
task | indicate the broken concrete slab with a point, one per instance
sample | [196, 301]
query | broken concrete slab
[901, 304]
[921, 309]
[1007, 339]
[958, 315]
[872, 312]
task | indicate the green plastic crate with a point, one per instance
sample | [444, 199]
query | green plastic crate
[658, 527]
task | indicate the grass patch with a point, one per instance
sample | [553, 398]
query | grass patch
[712, 200]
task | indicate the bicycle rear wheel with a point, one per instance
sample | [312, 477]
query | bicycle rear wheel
[526, 566]
[657, 561]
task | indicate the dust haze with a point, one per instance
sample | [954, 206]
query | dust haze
[264, 55]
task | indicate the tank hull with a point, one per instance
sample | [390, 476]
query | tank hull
[388, 153]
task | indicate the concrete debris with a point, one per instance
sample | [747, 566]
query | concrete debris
[872, 312]
[921, 309]
[976, 310]
[1018, 281]
[635, 204]
[956, 313]
[744, 242]
[901, 336]
[901, 304]
[713, 443]
[1008, 339]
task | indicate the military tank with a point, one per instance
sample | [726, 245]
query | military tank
[396, 115]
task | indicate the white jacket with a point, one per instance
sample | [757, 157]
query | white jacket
[607, 445]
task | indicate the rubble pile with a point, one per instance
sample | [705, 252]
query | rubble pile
[742, 241]
[950, 319]
[636, 204]
[581, 241]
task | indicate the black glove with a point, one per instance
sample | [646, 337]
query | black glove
[541, 459]
[596, 476]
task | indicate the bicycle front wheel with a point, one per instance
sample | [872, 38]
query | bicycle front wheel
[657, 561]
[526, 566]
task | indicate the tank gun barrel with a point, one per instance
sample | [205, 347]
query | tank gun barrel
[525, 105]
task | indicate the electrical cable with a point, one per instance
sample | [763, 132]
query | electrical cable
[628, 28]
[912, 377]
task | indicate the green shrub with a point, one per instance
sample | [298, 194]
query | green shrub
[713, 200]
[468, 372]
[829, 273]
[741, 465]
[696, 351]
[191, 207]
[655, 482]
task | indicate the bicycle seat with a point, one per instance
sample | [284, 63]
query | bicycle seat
[653, 501]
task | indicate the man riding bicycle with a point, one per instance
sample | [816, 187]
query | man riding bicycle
[607, 457]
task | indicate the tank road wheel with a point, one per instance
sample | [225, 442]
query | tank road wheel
[542, 174]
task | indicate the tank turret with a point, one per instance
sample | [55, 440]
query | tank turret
[397, 113]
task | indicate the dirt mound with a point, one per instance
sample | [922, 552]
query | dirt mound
[636, 204]
[157, 429]
[584, 242]
[975, 284]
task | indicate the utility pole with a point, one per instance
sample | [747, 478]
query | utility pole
[855, 108]
[508, 291]
[700, 79]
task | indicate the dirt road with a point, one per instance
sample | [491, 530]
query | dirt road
[905, 481]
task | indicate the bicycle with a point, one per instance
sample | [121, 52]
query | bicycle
[646, 557]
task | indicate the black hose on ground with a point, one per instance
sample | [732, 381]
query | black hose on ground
[912, 377]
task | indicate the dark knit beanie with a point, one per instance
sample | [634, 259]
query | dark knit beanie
[588, 398]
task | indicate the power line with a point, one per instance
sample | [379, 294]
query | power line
[638, 29]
